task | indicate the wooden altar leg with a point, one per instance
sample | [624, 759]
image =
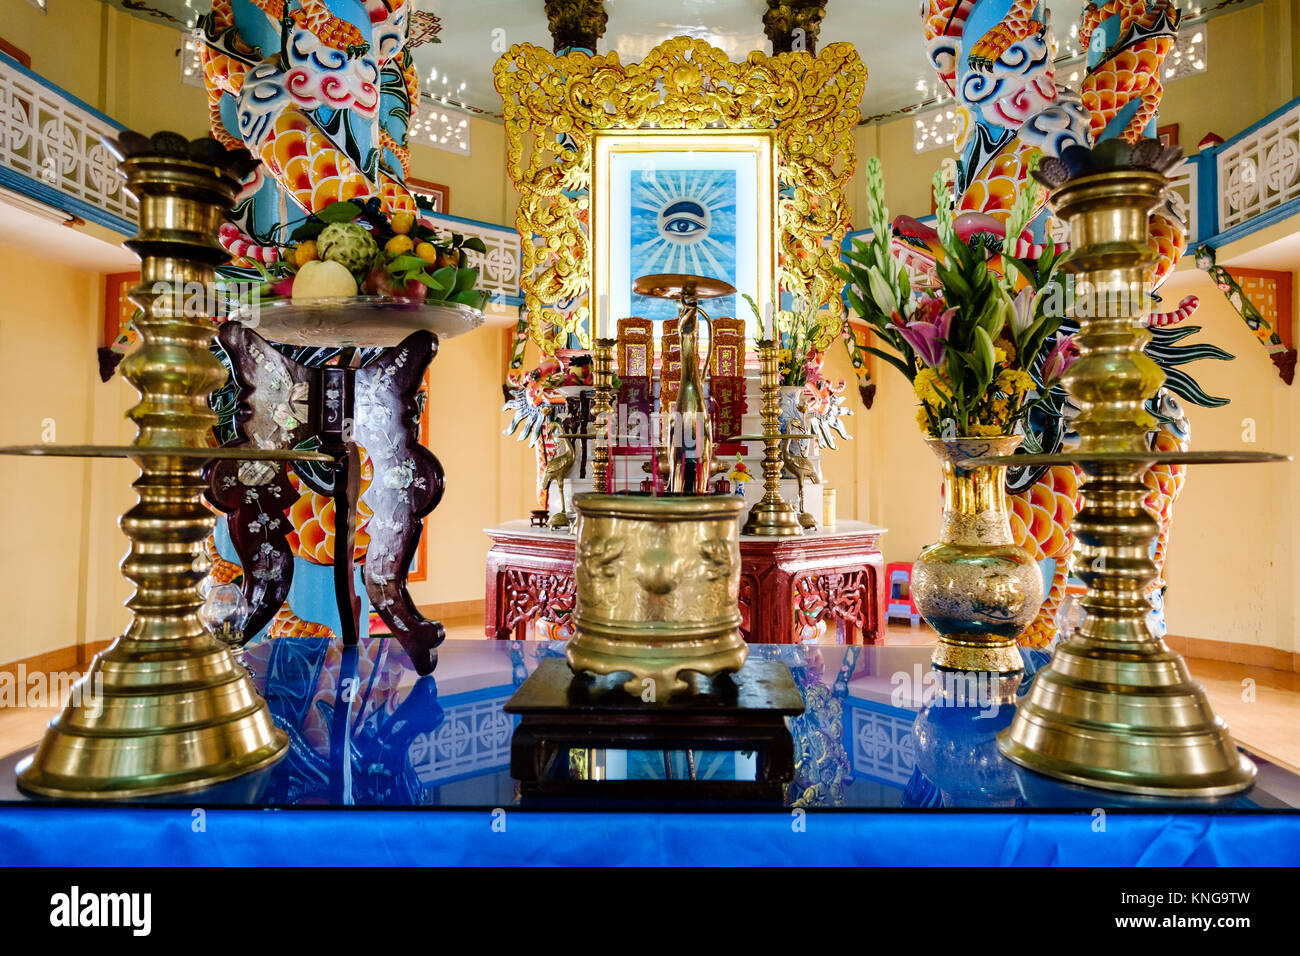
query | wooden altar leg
[875, 598]
[494, 607]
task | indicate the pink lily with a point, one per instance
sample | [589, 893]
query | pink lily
[1062, 355]
[927, 333]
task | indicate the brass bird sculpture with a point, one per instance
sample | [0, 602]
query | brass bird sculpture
[556, 470]
[802, 470]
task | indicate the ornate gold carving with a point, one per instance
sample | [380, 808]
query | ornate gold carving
[554, 105]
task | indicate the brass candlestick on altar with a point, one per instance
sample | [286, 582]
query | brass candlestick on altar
[166, 707]
[1116, 707]
[690, 435]
[602, 371]
[772, 515]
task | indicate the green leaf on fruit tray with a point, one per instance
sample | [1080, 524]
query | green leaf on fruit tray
[308, 230]
[475, 244]
[342, 211]
[433, 284]
[406, 264]
[465, 279]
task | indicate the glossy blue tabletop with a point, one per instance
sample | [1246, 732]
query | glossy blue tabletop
[879, 732]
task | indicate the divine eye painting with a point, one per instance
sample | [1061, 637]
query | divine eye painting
[683, 220]
[695, 204]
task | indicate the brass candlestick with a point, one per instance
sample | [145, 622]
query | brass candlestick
[772, 515]
[690, 426]
[602, 362]
[1116, 707]
[176, 712]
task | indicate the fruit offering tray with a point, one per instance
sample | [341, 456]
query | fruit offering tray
[359, 321]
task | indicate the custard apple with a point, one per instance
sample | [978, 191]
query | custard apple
[349, 244]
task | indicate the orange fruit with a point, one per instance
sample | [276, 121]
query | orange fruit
[402, 222]
[399, 245]
[305, 253]
[427, 251]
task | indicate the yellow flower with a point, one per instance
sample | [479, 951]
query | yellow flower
[1013, 382]
[923, 420]
[925, 385]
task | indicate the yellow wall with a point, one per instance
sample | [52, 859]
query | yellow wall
[1234, 564]
[58, 576]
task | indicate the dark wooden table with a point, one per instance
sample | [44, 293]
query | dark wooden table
[788, 586]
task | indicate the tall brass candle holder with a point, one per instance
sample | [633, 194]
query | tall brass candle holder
[166, 707]
[1116, 708]
[771, 515]
[602, 362]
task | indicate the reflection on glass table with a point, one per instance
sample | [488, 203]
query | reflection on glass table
[881, 730]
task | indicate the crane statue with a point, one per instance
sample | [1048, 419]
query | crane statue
[556, 470]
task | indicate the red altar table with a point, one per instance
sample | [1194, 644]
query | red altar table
[824, 585]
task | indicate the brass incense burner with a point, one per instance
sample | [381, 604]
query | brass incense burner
[658, 582]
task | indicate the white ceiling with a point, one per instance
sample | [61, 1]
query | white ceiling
[887, 34]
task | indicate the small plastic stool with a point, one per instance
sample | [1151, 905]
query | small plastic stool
[900, 603]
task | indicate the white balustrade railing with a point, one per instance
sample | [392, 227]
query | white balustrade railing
[1182, 190]
[1259, 170]
[47, 136]
[499, 266]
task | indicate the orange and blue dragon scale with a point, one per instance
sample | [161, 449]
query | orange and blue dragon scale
[322, 95]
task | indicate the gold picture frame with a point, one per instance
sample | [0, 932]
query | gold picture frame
[554, 106]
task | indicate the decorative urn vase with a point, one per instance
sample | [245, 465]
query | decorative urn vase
[658, 588]
[976, 587]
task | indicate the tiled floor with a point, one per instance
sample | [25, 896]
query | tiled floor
[1260, 705]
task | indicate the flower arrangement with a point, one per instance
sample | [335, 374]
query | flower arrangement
[805, 332]
[351, 247]
[969, 347]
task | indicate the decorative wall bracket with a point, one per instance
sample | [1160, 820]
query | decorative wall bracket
[1267, 324]
[553, 106]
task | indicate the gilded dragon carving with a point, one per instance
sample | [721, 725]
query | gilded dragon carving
[554, 104]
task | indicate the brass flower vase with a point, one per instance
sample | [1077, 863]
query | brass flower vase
[977, 588]
[658, 588]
